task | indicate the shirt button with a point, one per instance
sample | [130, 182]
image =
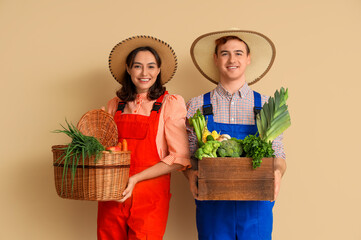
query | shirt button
[232, 119]
[232, 103]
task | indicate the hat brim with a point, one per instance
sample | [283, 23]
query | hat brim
[118, 55]
[262, 49]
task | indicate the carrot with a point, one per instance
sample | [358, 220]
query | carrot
[125, 145]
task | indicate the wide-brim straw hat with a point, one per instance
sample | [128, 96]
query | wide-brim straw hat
[118, 55]
[262, 49]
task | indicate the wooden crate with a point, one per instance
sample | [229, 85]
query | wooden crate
[235, 179]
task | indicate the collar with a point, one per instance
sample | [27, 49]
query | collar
[142, 96]
[242, 92]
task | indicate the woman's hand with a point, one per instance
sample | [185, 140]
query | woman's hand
[129, 189]
[156, 170]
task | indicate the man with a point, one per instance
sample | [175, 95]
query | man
[231, 59]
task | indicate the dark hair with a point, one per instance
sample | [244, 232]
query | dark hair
[223, 40]
[128, 91]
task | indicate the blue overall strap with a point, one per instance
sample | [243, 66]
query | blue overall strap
[257, 103]
[207, 107]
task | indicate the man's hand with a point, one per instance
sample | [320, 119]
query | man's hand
[278, 177]
[192, 176]
[280, 168]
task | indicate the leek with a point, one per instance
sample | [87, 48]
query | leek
[274, 117]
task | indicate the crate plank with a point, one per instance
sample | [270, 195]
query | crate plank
[235, 189]
[234, 168]
[235, 179]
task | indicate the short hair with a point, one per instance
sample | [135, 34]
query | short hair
[128, 91]
[222, 40]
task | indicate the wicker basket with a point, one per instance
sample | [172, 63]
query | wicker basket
[101, 125]
[104, 180]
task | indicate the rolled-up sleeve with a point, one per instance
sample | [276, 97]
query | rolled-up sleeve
[277, 146]
[175, 132]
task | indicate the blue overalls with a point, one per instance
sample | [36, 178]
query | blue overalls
[233, 220]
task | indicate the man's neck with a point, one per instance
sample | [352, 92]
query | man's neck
[232, 86]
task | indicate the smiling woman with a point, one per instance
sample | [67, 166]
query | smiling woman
[144, 71]
[142, 74]
[153, 123]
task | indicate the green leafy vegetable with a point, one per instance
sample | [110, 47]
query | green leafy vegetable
[273, 120]
[210, 138]
[274, 117]
[256, 148]
[208, 149]
[198, 122]
[81, 147]
[230, 148]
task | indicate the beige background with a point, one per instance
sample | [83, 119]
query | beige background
[53, 64]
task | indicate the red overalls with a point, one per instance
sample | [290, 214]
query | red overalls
[144, 215]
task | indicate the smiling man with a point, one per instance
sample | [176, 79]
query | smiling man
[231, 57]
[233, 60]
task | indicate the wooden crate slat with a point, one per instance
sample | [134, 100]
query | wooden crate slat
[234, 168]
[235, 179]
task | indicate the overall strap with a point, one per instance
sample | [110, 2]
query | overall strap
[207, 107]
[257, 103]
[121, 106]
[157, 105]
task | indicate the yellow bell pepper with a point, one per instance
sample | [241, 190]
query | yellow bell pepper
[215, 135]
[206, 132]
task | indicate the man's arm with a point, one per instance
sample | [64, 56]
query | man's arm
[279, 164]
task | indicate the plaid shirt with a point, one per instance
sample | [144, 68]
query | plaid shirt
[231, 109]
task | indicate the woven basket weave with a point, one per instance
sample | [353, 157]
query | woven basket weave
[104, 180]
[99, 124]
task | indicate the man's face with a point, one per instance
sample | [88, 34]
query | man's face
[232, 60]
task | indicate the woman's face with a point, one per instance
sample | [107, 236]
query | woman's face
[144, 71]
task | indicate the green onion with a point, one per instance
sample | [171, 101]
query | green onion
[80, 147]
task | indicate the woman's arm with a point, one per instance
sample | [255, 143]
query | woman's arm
[175, 134]
[156, 170]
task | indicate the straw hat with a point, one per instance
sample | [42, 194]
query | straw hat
[262, 51]
[120, 52]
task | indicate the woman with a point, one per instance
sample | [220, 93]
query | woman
[153, 123]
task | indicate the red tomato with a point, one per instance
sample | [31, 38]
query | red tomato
[114, 149]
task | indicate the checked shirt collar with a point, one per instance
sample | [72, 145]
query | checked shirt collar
[243, 92]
